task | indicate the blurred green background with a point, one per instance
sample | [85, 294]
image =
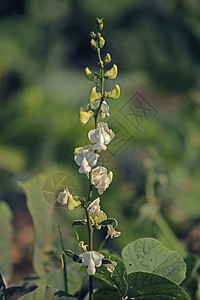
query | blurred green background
[44, 48]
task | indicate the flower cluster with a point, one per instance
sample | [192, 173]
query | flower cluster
[86, 157]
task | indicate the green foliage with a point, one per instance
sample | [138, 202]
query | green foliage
[48, 293]
[115, 278]
[146, 286]
[6, 235]
[107, 292]
[150, 255]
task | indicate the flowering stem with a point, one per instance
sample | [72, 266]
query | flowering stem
[102, 86]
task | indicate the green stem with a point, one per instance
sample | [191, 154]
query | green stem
[158, 217]
[102, 86]
[64, 261]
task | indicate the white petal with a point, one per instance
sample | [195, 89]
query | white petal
[106, 137]
[85, 168]
[92, 135]
[97, 257]
[78, 158]
[86, 256]
[91, 267]
[92, 158]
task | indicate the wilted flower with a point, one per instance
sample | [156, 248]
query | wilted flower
[82, 246]
[65, 198]
[85, 158]
[112, 232]
[111, 267]
[100, 179]
[104, 110]
[91, 259]
[101, 136]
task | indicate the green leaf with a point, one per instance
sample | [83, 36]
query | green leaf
[192, 263]
[48, 293]
[42, 214]
[115, 279]
[148, 286]
[6, 235]
[106, 292]
[150, 255]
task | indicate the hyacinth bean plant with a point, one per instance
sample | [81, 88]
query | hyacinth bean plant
[148, 270]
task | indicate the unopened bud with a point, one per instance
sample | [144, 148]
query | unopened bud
[112, 73]
[84, 116]
[107, 59]
[94, 95]
[89, 74]
[93, 44]
[101, 42]
[93, 35]
[115, 93]
[99, 23]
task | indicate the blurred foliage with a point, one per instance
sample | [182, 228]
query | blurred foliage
[44, 48]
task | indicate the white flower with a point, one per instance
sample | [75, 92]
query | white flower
[91, 259]
[100, 179]
[63, 197]
[101, 136]
[94, 208]
[95, 212]
[104, 110]
[112, 232]
[85, 158]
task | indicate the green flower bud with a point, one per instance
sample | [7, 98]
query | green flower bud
[94, 95]
[107, 59]
[99, 23]
[84, 116]
[101, 42]
[93, 44]
[115, 93]
[89, 74]
[93, 35]
[112, 73]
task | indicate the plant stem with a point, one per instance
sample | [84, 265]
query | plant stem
[158, 217]
[89, 225]
[64, 261]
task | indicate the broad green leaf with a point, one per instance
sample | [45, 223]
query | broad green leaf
[6, 234]
[115, 279]
[45, 234]
[148, 286]
[150, 255]
[42, 214]
[48, 293]
[107, 292]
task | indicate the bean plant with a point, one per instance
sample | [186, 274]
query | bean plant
[147, 270]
